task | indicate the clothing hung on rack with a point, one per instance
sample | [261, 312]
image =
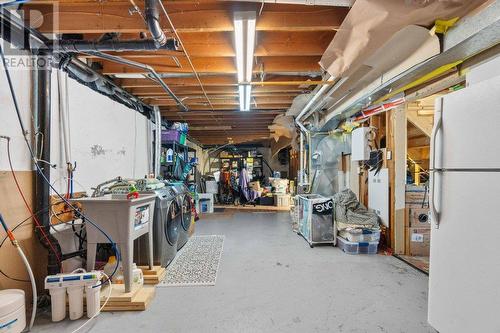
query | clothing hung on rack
[248, 194]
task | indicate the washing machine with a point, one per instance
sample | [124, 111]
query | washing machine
[185, 203]
[166, 228]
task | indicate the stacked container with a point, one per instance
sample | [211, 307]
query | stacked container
[359, 241]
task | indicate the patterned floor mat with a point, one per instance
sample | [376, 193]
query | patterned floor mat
[197, 264]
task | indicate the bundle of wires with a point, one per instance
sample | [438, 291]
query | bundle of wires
[41, 174]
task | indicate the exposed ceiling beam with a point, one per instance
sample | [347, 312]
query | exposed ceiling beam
[194, 17]
[213, 90]
[228, 107]
[219, 65]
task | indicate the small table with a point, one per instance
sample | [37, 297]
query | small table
[124, 221]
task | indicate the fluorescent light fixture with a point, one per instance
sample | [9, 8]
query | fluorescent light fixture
[250, 48]
[244, 41]
[241, 91]
[248, 96]
[244, 34]
[245, 94]
[238, 33]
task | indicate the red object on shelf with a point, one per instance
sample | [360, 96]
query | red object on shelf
[133, 195]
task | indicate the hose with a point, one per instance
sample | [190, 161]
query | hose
[15, 243]
[102, 306]
[33, 285]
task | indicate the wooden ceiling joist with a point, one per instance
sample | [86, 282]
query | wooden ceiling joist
[223, 65]
[290, 40]
[113, 16]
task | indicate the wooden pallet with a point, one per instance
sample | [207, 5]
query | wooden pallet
[154, 276]
[136, 300]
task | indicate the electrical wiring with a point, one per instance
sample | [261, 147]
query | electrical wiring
[21, 223]
[102, 306]
[12, 278]
[6, 237]
[35, 218]
[37, 166]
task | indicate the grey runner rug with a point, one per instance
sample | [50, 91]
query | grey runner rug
[197, 264]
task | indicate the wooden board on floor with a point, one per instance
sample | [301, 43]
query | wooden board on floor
[154, 276]
[118, 293]
[421, 263]
[139, 302]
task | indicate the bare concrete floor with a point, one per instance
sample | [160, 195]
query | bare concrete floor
[271, 281]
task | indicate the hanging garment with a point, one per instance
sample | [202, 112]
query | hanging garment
[249, 194]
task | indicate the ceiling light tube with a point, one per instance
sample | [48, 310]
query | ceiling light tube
[244, 34]
[238, 35]
[250, 48]
[241, 90]
[248, 94]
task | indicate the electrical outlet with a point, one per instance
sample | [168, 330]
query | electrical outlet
[388, 155]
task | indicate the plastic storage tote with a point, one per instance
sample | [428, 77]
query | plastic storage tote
[315, 219]
[357, 247]
[170, 135]
[360, 235]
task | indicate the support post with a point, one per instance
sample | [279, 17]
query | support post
[41, 102]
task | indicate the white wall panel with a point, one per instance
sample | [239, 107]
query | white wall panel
[107, 139]
[9, 124]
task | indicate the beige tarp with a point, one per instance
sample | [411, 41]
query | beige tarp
[371, 23]
[282, 126]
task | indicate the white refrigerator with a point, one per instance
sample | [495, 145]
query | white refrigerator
[464, 280]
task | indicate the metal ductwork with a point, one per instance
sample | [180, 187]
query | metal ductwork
[153, 21]
[84, 74]
[78, 46]
[79, 69]
[105, 87]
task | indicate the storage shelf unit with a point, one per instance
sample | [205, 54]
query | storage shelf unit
[180, 151]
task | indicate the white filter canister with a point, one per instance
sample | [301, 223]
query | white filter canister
[58, 303]
[93, 300]
[75, 298]
[12, 311]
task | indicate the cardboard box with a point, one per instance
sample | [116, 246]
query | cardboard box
[255, 186]
[420, 241]
[419, 218]
[417, 196]
[282, 200]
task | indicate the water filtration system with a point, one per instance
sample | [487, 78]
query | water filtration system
[74, 286]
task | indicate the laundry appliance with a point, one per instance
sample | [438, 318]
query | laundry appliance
[166, 228]
[185, 202]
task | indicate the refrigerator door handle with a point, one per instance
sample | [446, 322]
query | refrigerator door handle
[438, 122]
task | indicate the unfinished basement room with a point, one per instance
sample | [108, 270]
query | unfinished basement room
[213, 166]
